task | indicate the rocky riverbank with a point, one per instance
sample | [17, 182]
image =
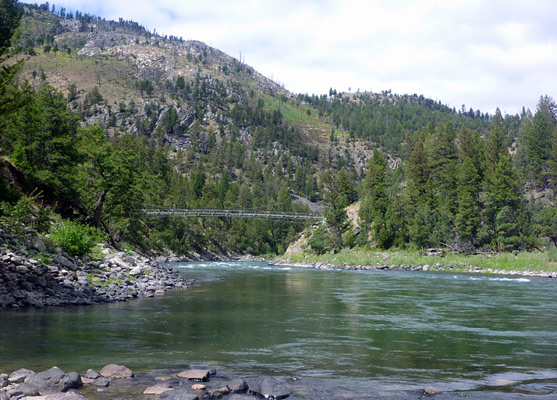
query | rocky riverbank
[118, 381]
[31, 275]
[426, 267]
[192, 384]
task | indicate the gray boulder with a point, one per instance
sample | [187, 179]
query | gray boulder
[54, 380]
[180, 394]
[20, 375]
[3, 380]
[100, 382]
[237, 386]
[242, 397]
[64, 262]
[24, 389]
[71, 395]
[270, 387]
[91, 374]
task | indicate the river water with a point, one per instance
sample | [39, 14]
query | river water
[334, 334]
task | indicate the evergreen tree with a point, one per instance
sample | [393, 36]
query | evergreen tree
[418, 175]
[375, 204]
[503, 192]
[538, 146]
[496, 144]
[468, 215]
[443, 164]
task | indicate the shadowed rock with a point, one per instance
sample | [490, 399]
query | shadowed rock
[20, 375]
[270, 388]
[54, 380]
[237, 386]
[180, 394]
[242, 397]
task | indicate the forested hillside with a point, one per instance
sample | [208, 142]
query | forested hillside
[101, 119]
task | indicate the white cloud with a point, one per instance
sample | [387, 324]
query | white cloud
[481, 53]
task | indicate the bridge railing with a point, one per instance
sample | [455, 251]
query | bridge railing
[234, 213]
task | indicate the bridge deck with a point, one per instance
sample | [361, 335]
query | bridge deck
[189, 212]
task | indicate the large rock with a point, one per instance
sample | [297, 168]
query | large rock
[237, 386]
[24, 389]
[270, 387]
[91, 374]
[54, 380]
[20, 375]
[180, 394]
[116, 371]
[195, 375]
[64, 262]
[71, 395]
[3, 380]
[242, 397]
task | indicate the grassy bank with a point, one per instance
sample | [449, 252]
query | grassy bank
[506, 262]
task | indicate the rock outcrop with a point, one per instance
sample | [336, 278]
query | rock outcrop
[31, 276]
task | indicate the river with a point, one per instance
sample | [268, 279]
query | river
[382, 333]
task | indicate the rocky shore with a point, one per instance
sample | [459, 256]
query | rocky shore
[118, 381]
[192, 384]
[425, 267]
[30, 275]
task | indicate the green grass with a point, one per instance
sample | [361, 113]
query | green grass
[504, 262]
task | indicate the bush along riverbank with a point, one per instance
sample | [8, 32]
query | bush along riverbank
[32, 275]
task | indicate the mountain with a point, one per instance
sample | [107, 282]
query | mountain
[156, 120]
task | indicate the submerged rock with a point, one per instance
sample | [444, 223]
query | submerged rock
[157, 389]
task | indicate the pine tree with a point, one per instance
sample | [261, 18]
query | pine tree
[375, 203]
[496, 142]
[538, 146]
[442, 164]
[468, 215]
[503, 191]
[418, 174]
[470, 146]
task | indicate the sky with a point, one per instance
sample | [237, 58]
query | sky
[479, 53]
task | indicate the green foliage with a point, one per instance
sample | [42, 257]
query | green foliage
[75, 238]
[321, 241]
[10, 14]
[16, 215]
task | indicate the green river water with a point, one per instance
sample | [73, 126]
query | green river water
[333, 334]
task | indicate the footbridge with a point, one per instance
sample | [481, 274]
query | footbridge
[234, 213]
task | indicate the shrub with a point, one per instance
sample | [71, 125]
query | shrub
[15, 216]
[320, 241]
[74, 238]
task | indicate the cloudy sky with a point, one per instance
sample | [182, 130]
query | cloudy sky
[481, 53]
